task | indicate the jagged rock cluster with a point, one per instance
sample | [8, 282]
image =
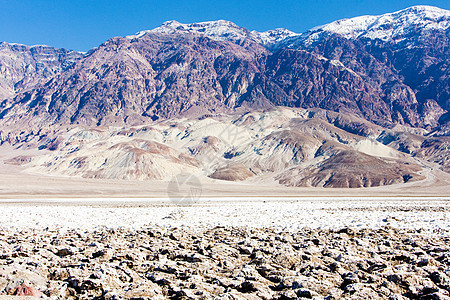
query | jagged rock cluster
[225, 263]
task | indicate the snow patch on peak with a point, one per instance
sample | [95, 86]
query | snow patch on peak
[272, 36]
[391, 26]
[213, 28]
[219, 30]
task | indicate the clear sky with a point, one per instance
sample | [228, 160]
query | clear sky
[84, 24]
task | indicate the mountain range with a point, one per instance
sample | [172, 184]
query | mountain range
[372, 82]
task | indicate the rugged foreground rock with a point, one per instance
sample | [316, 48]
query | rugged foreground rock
[225, 263]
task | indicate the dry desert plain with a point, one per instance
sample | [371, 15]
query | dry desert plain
[75, 238]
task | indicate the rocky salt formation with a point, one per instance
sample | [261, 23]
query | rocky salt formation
[225, 263]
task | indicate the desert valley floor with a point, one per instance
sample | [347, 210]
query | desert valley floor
[75, 238]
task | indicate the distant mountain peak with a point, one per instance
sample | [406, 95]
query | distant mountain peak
[5, 44]
[220, 30]
[390, 26]
[176, 70]
[427, 9]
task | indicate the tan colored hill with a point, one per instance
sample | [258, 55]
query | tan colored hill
[293, 147]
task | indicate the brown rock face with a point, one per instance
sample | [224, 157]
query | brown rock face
[167, 73]
[423, 62]
[412, 75]
[307, 80]
[143, 80]
[22, 67]
[140, 80]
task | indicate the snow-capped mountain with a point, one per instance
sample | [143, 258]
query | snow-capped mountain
[222, 31]
[388, 27]
[395, 27]
[193, 69]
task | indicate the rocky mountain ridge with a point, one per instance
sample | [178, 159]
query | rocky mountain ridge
[210, 67]
[221, 30]
[405, 52]
[22, 67]
[393, 27]
[363, 111]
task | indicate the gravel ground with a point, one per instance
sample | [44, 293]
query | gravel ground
[225, 263]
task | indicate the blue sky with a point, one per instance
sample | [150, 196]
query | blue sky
[84, 24]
